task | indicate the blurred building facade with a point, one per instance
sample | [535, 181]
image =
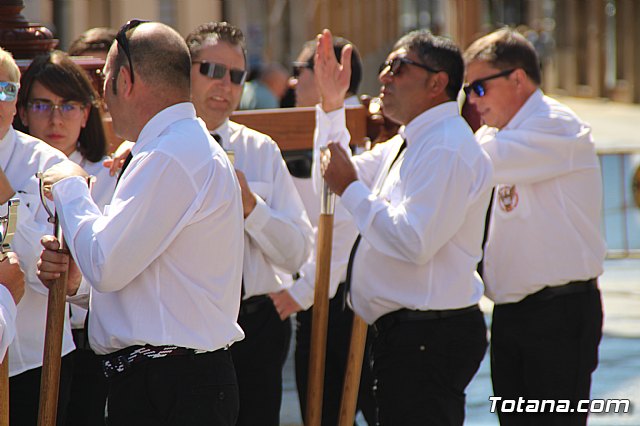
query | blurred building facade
[589, 48]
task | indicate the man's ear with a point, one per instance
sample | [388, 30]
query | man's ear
[124, 80]
[438, 84]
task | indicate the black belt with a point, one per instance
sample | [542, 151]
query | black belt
[119, 362]
[387, 321]
[253, 304]
[549, 293]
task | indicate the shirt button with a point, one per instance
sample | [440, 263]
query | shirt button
[221, 396]
[423, 348]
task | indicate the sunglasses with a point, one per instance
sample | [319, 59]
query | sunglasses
[218, 71]
[123, 42]
[299, 66]
[395, 65]
[478, 85]
[8, 91]
[67, 109]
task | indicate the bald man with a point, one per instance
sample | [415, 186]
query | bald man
[166, 256]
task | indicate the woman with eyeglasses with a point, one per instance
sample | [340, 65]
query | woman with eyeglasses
[21, 157]
[58, 104]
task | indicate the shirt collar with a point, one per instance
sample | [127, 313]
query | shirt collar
[161, 121]
[427, 119]
[224, 131]
[526, 110]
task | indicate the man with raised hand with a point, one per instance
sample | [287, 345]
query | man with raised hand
[418, 201]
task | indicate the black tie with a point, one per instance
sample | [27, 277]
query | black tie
[352, 255]
[487, 223]
[124, 166]
[217, 137]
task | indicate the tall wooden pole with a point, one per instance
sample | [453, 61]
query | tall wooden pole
[50, 380]
[351, 385]
[4, 391]
[319, 319]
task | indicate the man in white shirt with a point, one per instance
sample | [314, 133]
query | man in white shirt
[299, 297]
[545, 249]
[163, 257]
[11, 291]
[420, 213]
[277, 232]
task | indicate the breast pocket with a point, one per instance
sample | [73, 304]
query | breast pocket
[261, 189]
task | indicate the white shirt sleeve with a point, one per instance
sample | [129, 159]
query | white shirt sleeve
[542, 149]
[8, 313]
[281, 229]
[344, 235]
[135, 229]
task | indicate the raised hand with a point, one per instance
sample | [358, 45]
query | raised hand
[332, 78]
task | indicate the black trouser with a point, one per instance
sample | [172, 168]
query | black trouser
[175, 390]
[546, 350]
[422, 369]
[88, 386]
[338, 339]
[259, 359]
[24, 394]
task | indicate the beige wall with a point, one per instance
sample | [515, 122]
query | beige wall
[77, 16]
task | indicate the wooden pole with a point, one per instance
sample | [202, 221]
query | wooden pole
[50, 380]
[351, 386]
[319, 319]
[4, 391]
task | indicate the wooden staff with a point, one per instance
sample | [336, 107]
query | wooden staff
[351, 385]
[4, 391]
[50, 380]
[319, 320]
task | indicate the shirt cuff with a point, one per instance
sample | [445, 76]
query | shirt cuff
[258, 218]
[69, 189]
[302, 292]
[355, 193]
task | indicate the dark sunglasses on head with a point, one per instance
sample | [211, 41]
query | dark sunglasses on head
[395, 65]
[123, 42]
[218, 71]
[478, 85]
[299, 66]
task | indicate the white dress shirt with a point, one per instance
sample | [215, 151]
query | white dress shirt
[277, 233]
[8, 312]
[545, 231]
[421, 221]
[101, 192]
[163, 257]
[21, 157]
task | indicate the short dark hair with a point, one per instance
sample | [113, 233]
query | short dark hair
[59, 74]
[437, 52]
[94, 39]
[160, 58]
[338, 44]
[216, 31]
[506, 49]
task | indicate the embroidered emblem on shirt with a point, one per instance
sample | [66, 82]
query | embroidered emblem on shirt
[508, 198]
